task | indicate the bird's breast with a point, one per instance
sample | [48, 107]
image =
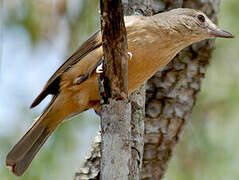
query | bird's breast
[148, 56]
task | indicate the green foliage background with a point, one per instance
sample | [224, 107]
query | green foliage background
[209, 146]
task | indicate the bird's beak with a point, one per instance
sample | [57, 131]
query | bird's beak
[217, 32]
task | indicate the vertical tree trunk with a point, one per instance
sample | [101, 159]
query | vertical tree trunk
[115, 108]
[91, 166]
[132, 7]
[171, 93]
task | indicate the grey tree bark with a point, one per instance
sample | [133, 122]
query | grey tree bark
[170, 94]
[113, 83]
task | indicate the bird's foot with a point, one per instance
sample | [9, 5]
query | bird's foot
[99, 68]
[130, 55]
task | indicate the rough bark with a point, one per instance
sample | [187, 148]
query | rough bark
[172, 92]
[113, 82]
[137, 132]
[90, 169]
[171, 95]
[115, 146]
[137, 99]
[115, 50]
[91, 166]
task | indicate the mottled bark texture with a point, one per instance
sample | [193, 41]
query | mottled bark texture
[115, 106]
[116, 144]
[137, 99]
[171, 95]
[172, 92]
[90, 169]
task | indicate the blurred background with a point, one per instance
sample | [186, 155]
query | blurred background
[37, 36]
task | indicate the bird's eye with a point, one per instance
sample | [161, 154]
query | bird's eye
[201, 18]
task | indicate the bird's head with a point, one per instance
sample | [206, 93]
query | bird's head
[195, 24]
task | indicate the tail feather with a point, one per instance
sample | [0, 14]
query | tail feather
[21, 155]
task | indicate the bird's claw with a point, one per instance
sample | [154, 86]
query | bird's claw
[130, 55]
[99, 68]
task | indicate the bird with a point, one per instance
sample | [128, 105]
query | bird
[152, 43]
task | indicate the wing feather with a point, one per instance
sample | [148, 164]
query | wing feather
[52, 86]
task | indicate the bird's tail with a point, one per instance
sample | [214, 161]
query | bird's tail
[21, 155]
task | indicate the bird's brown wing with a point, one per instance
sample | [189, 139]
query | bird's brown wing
[52, 85]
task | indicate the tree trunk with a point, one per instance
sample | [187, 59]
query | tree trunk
[137, 99]
[113, 83]
[170, 94]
